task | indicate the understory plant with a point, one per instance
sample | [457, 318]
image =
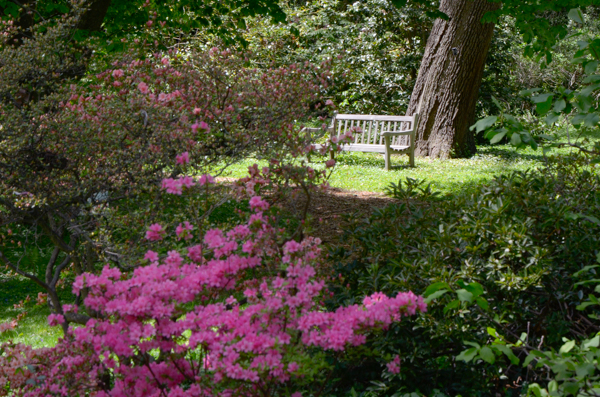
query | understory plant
[500, 267]
[236, 312]
[86, 139]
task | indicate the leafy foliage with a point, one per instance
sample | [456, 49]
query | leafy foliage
[502, 257]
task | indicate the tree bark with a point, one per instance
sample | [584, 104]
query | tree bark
[447, 87]
[94, 16]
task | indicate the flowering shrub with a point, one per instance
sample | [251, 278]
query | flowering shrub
[75, 144]
[236, 313]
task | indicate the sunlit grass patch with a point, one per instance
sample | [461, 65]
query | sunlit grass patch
[365, 171]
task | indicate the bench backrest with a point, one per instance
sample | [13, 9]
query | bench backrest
[372, 126]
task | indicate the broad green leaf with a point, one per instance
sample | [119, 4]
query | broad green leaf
[482, 303]
[515, 139]
[541, 98]
[585, 369]
[508, 353]
[487, 355]
[474, 344]
[452, 305]
[467, 355]
[464, 295]
[435, 295]
[547, 137]
[552, 118]
[552, 386]
[484, 124]
[592, 78]
[492, 332]
[498, 137]
[578, 119]
[544, 107]
[475, 288]
[435, 287]
[567, 347]
[560, 105]
[583, 44]
[576, 15]
[571, 388]
[537, 390]
[584, 305]
[591, 120]
[591, 67]
[594, 342]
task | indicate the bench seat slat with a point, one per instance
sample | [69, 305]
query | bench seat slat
[357, 147]
[371, 117]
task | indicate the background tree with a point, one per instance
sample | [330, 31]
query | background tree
[447, 88]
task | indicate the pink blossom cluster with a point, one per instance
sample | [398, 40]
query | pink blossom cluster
[176, 186]
[226, 316]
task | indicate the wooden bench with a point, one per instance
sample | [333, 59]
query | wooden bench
[377, 134]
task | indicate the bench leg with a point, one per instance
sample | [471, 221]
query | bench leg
[387, 153]
[411, 156]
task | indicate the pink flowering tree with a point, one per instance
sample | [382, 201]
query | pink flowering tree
[234, 312]
[81, 136]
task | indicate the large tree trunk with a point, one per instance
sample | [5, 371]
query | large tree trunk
[448, 84]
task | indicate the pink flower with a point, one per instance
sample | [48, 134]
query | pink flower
[149, 24]
[329, 102]
[117, 73]
[183, 158]
[55, 319]
[151, 256]
[204, 179]
[330, 163]
[394, 365]
[143, 87]
[172, 186]
[201, 125]
[187, 181]
[155, 232]
[257, 202]
[292, 367]
[183, 230]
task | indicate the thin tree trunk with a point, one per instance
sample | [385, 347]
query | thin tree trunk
[448, 84]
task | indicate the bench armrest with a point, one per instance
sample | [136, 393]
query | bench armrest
[397, 133]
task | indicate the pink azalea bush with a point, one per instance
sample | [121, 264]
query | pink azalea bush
[236, 313]
[84, 134]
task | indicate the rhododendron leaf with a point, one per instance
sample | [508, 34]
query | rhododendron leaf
[468, 354]
[507, 352]
[464, 295]
[435, 295]
[487, 355]
[482, 303]
[452, 305]
[435, 287]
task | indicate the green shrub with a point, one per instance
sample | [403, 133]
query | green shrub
[501, 257]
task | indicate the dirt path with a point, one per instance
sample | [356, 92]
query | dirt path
[328, 209]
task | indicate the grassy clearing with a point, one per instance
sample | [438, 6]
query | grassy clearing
[364, 171]
[33, 329]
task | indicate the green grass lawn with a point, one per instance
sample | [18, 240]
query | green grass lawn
[33, 329]
[365, 171]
